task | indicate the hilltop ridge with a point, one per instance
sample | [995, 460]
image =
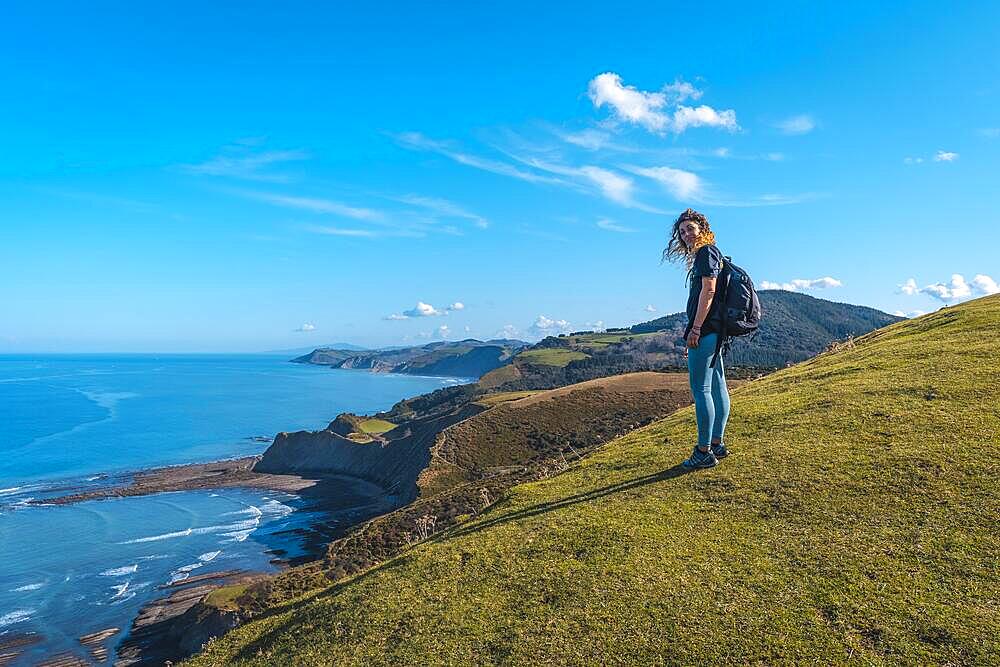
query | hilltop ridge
[852, 522]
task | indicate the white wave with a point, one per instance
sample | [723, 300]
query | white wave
[154, 557]
[183, 572]
[120, 571]
[251, 510]
[209, 557]
[8, 491]
[27, 587]
[157, 538]
[16, 616]
[238, 536]
[119, 590]
[276, 509]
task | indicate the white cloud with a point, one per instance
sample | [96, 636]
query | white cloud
[615, 187]
[650, 308]
[703, 116]
[508, 331]
[443, 331]
[985, 284]
[468, 329]
[546, 326]
[773, 157]
[396, 316]
[679, 183]
[912, 313]
[306, 327]
[801, 124]
[613, 226]
[629, 103]
[597, 326]
[650, 110]
[799, 284]
[422, 310]
[912, 160]
[955, 290]
[679, 91]
[945, 156]
[458, 305]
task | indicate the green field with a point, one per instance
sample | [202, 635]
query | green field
[552, 356]
[854, 522]
[375, 426]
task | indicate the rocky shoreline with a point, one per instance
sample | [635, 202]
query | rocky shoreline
[195, 477]
[176, 624]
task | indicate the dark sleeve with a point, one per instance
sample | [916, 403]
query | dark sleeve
[707, 262]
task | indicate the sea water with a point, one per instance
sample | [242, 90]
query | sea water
[72, 421]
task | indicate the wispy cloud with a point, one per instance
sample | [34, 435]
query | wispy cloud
[940, 156]
[613, 226]
[305, 328]
[800, 124]
[417, 141]
[314, 205]
[243, 162]
[340, 231]
[444, 208]
[659, 112]
[682, 185]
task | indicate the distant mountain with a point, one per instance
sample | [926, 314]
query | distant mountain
[795, 327]
[466, 358]
[297, 351]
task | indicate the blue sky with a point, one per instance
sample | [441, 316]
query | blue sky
[240, 177]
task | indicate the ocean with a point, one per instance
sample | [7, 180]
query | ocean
[77, 420]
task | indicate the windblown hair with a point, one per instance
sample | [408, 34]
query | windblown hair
[676, 249]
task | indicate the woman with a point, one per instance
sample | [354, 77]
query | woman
[693, 241]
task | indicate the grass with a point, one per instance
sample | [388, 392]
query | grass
[554, 356]
[375, 426]
[225, 598]
[855, 521]
[503, 396]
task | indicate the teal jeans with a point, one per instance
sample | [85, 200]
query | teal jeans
[708, 388]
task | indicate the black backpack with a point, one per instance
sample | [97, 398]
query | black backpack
[737, 306]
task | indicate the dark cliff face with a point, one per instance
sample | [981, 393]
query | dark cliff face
[394, 465]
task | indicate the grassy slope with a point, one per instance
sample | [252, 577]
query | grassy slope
[856, 520]
[550, 356]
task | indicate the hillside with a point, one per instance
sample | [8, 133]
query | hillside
[466, 358]
[855, 520]
[795, 327]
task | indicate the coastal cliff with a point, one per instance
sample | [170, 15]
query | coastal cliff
[394, 460]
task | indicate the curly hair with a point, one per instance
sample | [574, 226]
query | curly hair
[676, 249]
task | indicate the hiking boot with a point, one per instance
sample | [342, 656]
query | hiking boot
[700, 459]
[720, 450]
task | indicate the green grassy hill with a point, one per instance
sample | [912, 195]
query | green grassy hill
[855, 521]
